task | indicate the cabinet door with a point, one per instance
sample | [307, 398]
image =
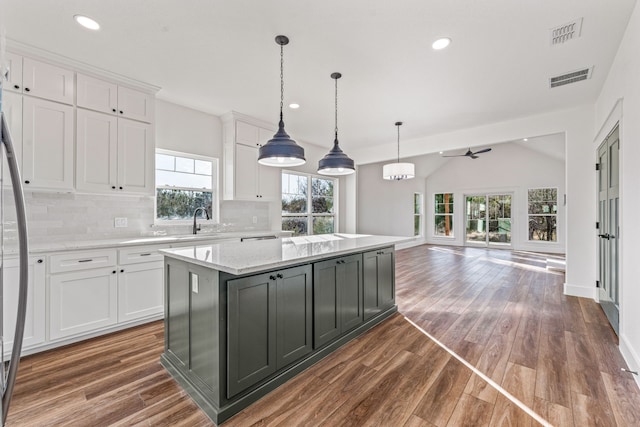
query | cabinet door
[96, 94]
[47, 81]
[350, 285]
[12, 108]
[34, 329]
[140, 290]
[294, 313]
[135, 105]
[47, 144]
[82, 301]
[247, 134]
[14, 76]
[246, 172]
[135, 157]
[326, 302]
[251, 329]
[96, 152]
[379, 281]
[269, 182]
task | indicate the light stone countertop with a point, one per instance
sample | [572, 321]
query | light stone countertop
[140, 241]
[257, 256]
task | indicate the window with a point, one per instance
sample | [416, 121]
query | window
[185, 182]
[417, 214]
[443, 204]
[308, 204]
[543, 213]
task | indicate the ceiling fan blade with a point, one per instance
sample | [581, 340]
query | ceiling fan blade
[486, 150]
[457, 155]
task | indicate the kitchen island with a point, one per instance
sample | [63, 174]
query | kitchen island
[243, 318]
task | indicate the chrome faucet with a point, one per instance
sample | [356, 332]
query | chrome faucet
[196, 227]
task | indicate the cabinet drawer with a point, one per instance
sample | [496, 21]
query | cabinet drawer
[82, 260]
[140, 254]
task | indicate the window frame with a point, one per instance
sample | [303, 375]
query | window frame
[215, 199]
[419, 215]
[309, 214]
[529, 215]
[450, 214]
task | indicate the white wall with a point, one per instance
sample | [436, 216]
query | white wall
[385, 207]
[620, 100]
[508, 168]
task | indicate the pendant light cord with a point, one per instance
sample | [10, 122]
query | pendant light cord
[398, 126]
[281, 79]
[336, 129]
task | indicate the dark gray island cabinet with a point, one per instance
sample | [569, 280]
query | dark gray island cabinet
[243, 318]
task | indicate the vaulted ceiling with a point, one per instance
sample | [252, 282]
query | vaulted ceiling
[218, 56]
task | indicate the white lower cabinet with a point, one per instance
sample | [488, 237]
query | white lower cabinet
[82, 301]
[34, 330]
[140, 290]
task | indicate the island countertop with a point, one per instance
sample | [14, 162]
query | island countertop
[240, 258]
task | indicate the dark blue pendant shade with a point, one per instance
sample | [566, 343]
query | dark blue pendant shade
[335, 162]
[281, 150]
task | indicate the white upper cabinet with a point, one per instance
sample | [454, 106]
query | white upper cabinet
[101, 95]
[113, 154]
[40, 79]
[244, 177]
[96, 94]
[47, 144]
[135, 105]
[14, 75]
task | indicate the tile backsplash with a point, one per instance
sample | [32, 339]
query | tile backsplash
[63, 217]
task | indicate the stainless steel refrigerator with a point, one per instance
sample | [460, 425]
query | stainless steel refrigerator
[11, 198]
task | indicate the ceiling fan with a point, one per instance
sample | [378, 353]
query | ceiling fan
[469, 153]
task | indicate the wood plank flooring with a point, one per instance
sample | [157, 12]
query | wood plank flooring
[503, 312]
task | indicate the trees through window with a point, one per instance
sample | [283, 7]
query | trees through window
[543, 213]
[308, 204]
[443, 204]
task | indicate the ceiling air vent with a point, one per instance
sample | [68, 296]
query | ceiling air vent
[564, 33]
[572, 77]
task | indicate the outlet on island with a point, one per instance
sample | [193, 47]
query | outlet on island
[120, 222]
[255, 219]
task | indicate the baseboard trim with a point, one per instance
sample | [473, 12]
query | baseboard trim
[580, 291]
[631, 357]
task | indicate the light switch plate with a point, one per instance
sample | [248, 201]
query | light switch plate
[120, 222]
[194, 283]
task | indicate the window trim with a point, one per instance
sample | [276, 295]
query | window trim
[215, 204]
[544, 242]
[419, 214]
[452, 236]
[310, 215]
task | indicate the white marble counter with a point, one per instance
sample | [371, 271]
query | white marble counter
[256, 256]
[139, 241]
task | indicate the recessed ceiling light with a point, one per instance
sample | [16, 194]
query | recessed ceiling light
[525, 139]
[86, 22]
[294, 106]
[441, 43]
[441, 152]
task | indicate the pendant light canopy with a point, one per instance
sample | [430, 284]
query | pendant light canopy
[398, 171]
[336, 162]
[281, 150]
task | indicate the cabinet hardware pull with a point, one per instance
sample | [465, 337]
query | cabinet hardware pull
[113, 109]
[121, 112]
[145, 254]
[27, 182]
[85, 260]
[26, 89]
[113, 272]
[279, 276]
[122, 271]
[121, 188]
[113, 186]
[272, 277]
[16, 87]
[40, 261]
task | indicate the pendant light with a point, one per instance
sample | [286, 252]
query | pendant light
[398, 171]
[335, 162]
[281, 150]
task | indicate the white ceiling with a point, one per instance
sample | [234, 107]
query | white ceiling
[218, 56]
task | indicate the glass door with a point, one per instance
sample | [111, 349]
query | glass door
[488, 220]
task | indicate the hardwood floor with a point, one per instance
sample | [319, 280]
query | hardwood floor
[501, 312]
